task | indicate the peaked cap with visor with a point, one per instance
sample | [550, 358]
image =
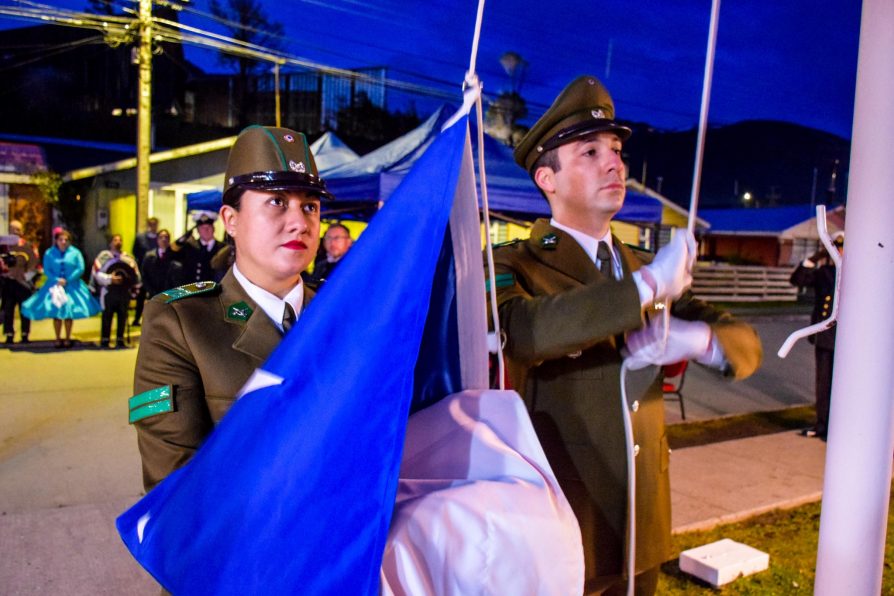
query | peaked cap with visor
[583, 107]
[269, 159]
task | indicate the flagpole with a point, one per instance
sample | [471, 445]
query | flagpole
[703, 114]
[857, 482]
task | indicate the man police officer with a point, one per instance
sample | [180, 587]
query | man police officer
[203, 341]
[571, 298]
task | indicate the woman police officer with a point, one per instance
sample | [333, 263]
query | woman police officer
[201, 342]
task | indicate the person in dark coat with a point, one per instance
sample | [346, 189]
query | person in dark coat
[196, 254]
[17, 272]
[337, 240]
[574, 303]
[818, 272]
[160, 271]
[142, 244]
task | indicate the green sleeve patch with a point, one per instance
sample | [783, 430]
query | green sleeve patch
[151, 403]
[503, 280]
[200, 287]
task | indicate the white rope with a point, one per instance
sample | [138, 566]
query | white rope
[489, 248]
[472, 81]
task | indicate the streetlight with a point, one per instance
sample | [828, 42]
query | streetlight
[746, 199]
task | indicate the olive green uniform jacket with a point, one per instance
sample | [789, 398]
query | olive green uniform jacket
[563, 323]
[205, 346]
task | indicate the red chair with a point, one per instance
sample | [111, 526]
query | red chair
[672, 386]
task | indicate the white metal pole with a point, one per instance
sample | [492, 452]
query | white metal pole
[703, 114]
[858, 460]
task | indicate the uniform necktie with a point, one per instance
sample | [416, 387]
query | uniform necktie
[288, 318]
[604, 259]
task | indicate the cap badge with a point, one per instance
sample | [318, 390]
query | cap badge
[289, 138]
[297, 166]
[598, 114]
[549, 242]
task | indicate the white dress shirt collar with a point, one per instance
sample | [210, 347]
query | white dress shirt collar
[591, 245]
[273, 306]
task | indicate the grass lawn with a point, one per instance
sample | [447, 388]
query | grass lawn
[790, 537]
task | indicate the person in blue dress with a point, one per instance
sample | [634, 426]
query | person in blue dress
[64, 296]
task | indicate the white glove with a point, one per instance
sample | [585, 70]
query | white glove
[686, 340]
[671, 270]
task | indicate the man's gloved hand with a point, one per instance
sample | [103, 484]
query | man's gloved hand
[686, 340]
[671, 271]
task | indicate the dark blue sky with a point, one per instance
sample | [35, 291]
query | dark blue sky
[793, 61]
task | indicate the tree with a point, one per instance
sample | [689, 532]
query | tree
[246, 21]
[367, 126]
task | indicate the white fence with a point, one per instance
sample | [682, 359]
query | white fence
[743, 283]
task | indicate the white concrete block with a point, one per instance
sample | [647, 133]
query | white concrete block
[723, 561]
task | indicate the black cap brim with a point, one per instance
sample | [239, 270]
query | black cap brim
[294, 181]
[584, 128]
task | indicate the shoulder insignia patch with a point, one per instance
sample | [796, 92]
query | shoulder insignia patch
[239, 311]
[151, 403]
[549, 242]
[503, 280]
[195, 289]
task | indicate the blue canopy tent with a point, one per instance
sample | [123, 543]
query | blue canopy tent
[373, 177]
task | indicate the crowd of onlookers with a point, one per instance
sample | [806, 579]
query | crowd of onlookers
[117, 279]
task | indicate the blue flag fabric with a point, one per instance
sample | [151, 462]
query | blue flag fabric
[293, 492]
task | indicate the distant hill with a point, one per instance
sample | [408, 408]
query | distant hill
[774, 161]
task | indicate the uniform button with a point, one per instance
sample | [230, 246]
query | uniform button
[635, 406]
[635, 450]
[576, 354]
[828, 298]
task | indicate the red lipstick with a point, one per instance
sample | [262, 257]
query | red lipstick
[295, 245]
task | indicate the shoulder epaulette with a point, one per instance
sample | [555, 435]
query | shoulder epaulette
[508, 243]
[637, 248]
[195, 289]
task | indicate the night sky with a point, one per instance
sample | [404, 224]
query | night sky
[792, 61]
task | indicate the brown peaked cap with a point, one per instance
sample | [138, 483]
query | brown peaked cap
[584, 106]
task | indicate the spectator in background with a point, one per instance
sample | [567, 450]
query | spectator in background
[818, 272]
[142, 244]
[160, 271]
[195, 254]
[17, 272]
[336, 242]
[117, 277]
[64, 296]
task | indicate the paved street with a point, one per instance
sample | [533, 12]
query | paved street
[69, 462]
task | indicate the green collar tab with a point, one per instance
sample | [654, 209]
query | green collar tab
[549, 242]
[200, 287]
[151, 403]
[239, 311]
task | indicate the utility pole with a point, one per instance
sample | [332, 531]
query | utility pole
[144, 113]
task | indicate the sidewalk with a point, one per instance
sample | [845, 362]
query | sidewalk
[69, 466]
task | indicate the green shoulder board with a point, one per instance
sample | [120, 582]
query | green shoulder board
[503, 280]
[151, 403]
[174, 294]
